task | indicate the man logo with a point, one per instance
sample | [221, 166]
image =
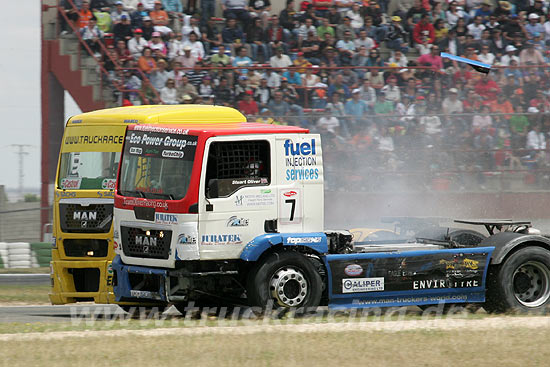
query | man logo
[146, 241]
[85, 216]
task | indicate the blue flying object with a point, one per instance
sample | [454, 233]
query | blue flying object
[479, 66]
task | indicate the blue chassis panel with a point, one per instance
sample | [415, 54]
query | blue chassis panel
[409, 297]
[123, 290]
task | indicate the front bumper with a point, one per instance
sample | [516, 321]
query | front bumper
[74, 281]
[149, 286]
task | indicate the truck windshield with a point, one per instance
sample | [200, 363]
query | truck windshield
[157, 165]
[88, 170]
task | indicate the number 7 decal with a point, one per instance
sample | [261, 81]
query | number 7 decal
[293, 202]
[290, 206]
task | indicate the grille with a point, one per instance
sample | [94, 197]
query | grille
[136, 243]
[85, 279]
[81, 247]
[94, 218]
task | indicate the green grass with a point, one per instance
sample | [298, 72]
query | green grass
[43, 270]
[510, 347]
[29, 294]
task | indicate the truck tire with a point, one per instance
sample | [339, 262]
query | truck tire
[521, 283]
[288, 279]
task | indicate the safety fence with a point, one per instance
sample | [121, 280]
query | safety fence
[25, 255]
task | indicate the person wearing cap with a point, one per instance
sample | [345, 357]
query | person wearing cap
[136, 16]
[122, 31]
[452, 104]
[157, 44]
[530, 55]
[534, 26]
[187, 60]
[396, 35]
[148, 28]
[117, 14]
[136, 44]
[265, 116]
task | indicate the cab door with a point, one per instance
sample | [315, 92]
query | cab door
[238, 194]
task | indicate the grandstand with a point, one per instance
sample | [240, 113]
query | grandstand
[367, 75]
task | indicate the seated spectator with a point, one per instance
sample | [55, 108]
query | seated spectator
[350, 78]
[197, 48]
[302, 63]
[343, 27]
[330, 57]
[391, 90]
[485, 56]
[431, 122]
[137, 44]
[382, 106]
[136, 17]
[502, 105]
[173, 8]
[206, 88]
[509, 56]
[335, 105]
[278, 106]
[118, 13]
[175, 46]
[276, 35]
[368, 94]
[247, 105]
[279, 60]
[242, 60]
[260, 9]
[399, 59]
[147, 62]
[232, 36]
[187, 60]
[186, 89]
[530, 55]
[311, 49]
[103, 19]
[432, 59]
[123, 53]
[211, 37]
[303, 31]
[169, 94]
[476, 27]
[487, 88]
[440, 31]
[236, 9]
[325, 29]
[534, 26]
[338, 86]
[356, 107]
[159, 17]
[256, 38]
[92, 36]
[356, 18]
[262, 94]
[374, 58]
[454, 13]
[452, 104]
[482, 121]
[148, 28]
[123, 29]
[224, 94]
[376, 78]
[265, 116]
[273, 78]
[364, 41]
[536, 143]
[157, 44]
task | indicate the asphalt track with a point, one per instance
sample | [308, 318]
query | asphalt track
[25, 279]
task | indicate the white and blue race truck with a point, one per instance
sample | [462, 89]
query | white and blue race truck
[233, 213]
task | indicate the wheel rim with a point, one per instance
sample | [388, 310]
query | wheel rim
[531, 282]
[289, 287]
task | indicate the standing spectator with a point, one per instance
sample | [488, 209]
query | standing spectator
[84, 15]
[236, 9]
[396, 35]
[169, 94]
[424, 35]
[92, 36]
[257, 40]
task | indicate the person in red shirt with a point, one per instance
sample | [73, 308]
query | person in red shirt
[487, 88]
[472, 102]
[424, 34]
[84, 15]
[248, 106]
[432, 59]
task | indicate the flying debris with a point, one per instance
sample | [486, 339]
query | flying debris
[479, 66]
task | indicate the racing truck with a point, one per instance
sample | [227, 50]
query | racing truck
[233, 214]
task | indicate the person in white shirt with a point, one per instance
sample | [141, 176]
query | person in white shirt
[391, 90]
[485, 56]
[354, 14]
[190, 24]
[536, 142]
[399, 59]
[279, 60]
[364, 41]
[273, 78]
[175, 46]
[169, 94]
[137, 44]
[509, 56]
[368, 93]
[328, 122]
[476, 28]
[452, 104]
[197, 48]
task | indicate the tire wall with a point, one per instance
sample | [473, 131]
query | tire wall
[25, 255]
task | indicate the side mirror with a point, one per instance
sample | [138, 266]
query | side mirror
[212, 191]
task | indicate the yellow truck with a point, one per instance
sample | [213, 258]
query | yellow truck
[82, 242]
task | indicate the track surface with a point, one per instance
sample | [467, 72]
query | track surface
[24, 279]
[52, 313]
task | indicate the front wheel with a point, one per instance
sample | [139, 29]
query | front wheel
[521, 284]
[287, 279]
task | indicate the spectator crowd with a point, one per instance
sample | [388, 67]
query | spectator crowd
[366, 74]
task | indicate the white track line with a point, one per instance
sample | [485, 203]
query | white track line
[536, 322]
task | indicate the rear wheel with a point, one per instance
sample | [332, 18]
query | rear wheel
[285, 279]
[521, 283]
